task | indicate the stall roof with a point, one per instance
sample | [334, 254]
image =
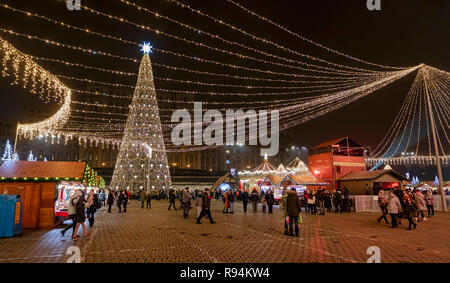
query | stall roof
[265, 166]
[42, 169]
[335, 141]
[369, 175]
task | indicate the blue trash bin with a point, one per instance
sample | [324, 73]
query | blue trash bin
[10, 216]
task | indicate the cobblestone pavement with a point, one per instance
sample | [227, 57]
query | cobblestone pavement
[159, 235]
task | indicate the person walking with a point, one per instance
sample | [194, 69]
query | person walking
[270, 200]
[71, 211]
[186, 199]
[421, 205]
[142, 197]
[410, 210]
[264, 202]
[293, 210]
[172, 199]
[148, 197]
[110, 200]
[199, 203]
[346, 200]
[206, 205]
[92, 205]
[80, 216]
[120, 200]
[429, 201]
[244, 200]
[226, 203]
[231, 200]
[322, 197]
[328, 200]
[126, 196]
[102, 197]
[382, 203]
[254, 198]
[394, 207]
[285, 211]
[312, 202]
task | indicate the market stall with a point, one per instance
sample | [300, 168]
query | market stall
[45, 187]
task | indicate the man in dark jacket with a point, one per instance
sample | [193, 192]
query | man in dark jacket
[172, 199]
[322, 197]
[293, 210]
[120, 200]
[254, 198]
[110, 200]
[346, 200]
[206, 205]
[245, 200]
[270, 200]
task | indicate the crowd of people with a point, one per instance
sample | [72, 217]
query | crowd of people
[398, 204]
[405, 204]
[82, 206]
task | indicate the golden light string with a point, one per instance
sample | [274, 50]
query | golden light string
[62, 24]
[355, 83]
[367, 89]
[144, 27]
[410, 114]
[304, 38]
[323, 83]
[158, 15]
[438, 115]
[427, 122]
[95, 52]
[396, 124]
[195, 11]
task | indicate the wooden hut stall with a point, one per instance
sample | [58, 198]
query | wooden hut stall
[356, 182]
[41, 184]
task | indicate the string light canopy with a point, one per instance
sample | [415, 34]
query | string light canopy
[336, 84]
[409, 139]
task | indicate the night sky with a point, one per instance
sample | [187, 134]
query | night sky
[403, 33]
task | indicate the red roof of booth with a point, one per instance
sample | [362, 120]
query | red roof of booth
[42, 169]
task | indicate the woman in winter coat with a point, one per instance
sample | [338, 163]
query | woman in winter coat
[393, 207]
[382, 203]
[429, 200]
[264, 203]
[80, 216]
[91, 207]
[409, 210]
[420, 204]
[71, 211]
[198, 204]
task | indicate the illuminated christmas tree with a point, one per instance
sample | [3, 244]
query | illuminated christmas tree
[31, 157]
[142, 159]
[8, 153]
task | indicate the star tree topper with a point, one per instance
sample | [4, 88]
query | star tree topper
[146, 47]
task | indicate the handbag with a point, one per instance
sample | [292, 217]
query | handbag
[300, 220]
[310, 201]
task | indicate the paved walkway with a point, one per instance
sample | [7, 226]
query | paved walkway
[159, 235]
